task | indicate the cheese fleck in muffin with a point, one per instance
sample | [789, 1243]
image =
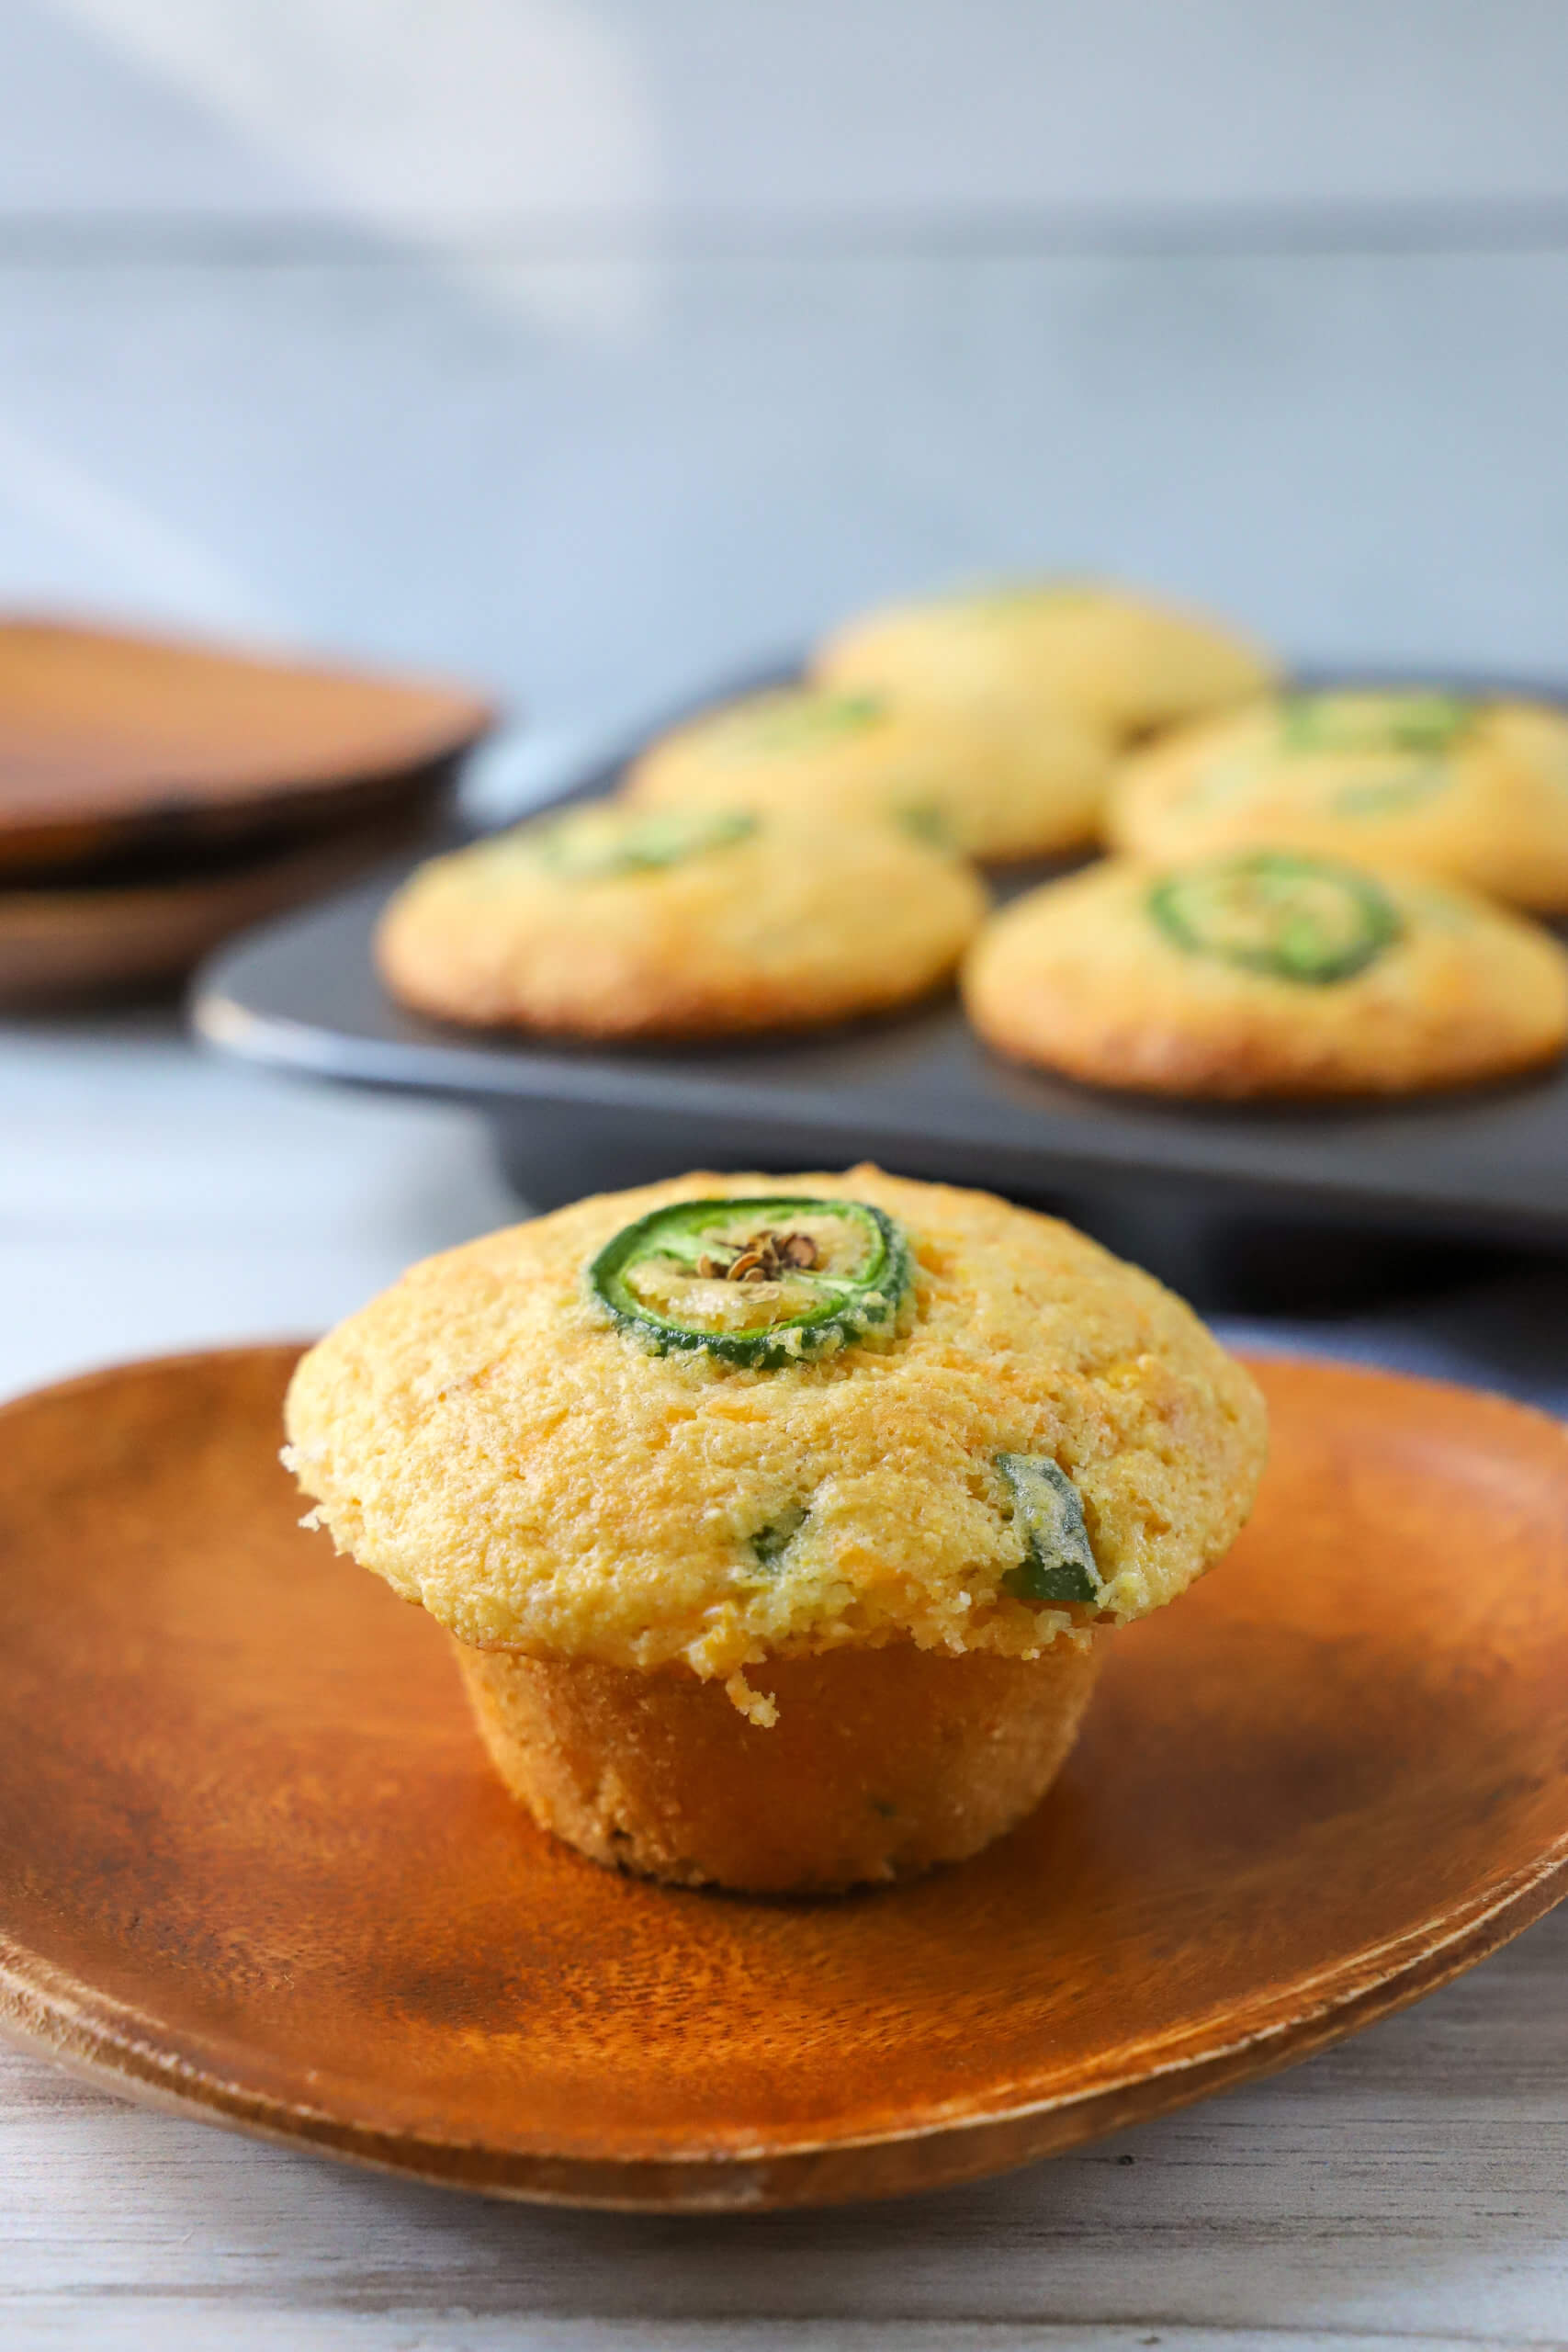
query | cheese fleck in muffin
[1123, 663]
[1476, 791]
[883, 1457]
[993, 789]
[1267, 972]
[610, 922]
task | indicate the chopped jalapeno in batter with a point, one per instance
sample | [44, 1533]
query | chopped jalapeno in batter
[606, 844]
[1408, 788]
[1058, 1561]
[1425, 724]
[770, 1542]
[771, 1281]
[1292, 917]
[796, 723]
[924, 821]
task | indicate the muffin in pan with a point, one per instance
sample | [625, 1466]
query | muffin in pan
[610, 922]
[1267, 972]
[1474, 790]
[1019, 654]
[994, 785]
[781, 1523]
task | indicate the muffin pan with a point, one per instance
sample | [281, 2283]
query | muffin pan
[1246, 1204]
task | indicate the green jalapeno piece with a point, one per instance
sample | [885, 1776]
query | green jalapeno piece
[1058, 1560]
[782, 726]
[1425, 725]
[768, 1280]
[607, 844]
[1294, 918]
[926, 822]
[769, 1542]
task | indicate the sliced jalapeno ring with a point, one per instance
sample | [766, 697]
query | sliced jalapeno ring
[1294, 918]
[607, 844]
[794, 719]
[1058, 1560]
[1423, 724]
[1397, 723]
[770, 1280]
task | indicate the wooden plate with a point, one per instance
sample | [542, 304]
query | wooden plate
[253, 1865]
[60, 946]
[115, 745]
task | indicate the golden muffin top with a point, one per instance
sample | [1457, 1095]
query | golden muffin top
[613, 921]
[1475, 790]
[952, 776]
[1122, 662]
[728, 1418]
[1267, 972]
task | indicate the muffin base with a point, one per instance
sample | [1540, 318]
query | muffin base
[882, 1764]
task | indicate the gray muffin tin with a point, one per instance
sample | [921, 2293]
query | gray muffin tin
[1256, 1205]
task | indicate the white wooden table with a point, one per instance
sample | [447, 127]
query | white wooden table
[1410, 2189]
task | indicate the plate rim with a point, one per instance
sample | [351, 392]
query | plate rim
[48, 2011]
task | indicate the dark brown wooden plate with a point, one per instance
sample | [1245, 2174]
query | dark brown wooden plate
[253, 1863]
[116, 746]
[70, 947]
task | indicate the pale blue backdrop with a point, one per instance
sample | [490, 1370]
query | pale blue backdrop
[599, 346]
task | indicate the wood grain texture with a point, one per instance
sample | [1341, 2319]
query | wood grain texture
[68, 947]
[1406, 2191]
[114, 745]
[254, 1864]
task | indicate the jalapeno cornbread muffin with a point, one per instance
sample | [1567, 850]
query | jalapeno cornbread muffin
[780, 1521]
[1267, 972]
[1473, 790]
[964, 776]
[1124, 664]
[614, 922]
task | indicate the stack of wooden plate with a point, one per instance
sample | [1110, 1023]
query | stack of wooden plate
[155, 795]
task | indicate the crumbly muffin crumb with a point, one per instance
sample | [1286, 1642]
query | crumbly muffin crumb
[486, 1438]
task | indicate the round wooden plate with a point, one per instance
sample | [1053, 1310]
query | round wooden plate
[68, 947]
[117, 746]
[253, 1863]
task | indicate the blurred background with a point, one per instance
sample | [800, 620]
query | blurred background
[599, 350]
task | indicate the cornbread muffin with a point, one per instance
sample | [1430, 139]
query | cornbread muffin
[1476, 791]
[975, 779]
[659, 1772]
[1267, 972]
[615, 923]
[1123, 663]
[863, 1466]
